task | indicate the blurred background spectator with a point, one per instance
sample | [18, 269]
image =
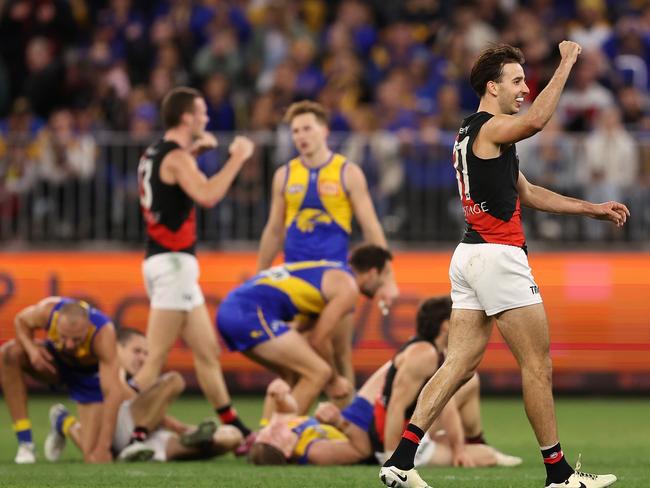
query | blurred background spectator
[394, 76]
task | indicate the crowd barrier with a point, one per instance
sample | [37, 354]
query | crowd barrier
[598, 306]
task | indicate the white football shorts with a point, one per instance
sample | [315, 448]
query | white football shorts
[172, 281]
[124, 426]
[491, 277]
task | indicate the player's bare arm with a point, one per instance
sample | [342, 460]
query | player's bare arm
[179, 167]
[341, 292]
[26, 322]
[105, 348]
[543, 199]
[364, 212]
[418, 363]
[505, 129]
[273, 233]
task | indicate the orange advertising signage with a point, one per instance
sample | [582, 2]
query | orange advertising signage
[598, 305]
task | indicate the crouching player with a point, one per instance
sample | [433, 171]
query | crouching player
[254, 318]
[79, 352]
[144, 431]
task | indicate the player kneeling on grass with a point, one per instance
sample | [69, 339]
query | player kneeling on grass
[79, 353]
[144, 431]
[254, 318]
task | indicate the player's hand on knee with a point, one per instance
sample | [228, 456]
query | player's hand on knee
[339, 388]
[41, 360]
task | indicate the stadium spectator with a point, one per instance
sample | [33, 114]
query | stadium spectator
[585, 99]
[610, 166]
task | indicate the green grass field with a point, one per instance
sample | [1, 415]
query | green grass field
[613, 435]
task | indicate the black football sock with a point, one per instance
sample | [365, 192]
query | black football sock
[228, 415]
[403, 456]
[557, 469]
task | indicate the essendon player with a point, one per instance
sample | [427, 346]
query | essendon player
[489, 271]
[170, 184]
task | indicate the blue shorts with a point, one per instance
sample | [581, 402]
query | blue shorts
[360, 413]
[83, 386]
[244, 324]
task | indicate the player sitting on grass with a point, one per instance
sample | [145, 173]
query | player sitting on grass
[143, 429]
[79, 353]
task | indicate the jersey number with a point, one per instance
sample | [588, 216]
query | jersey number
[460, 154]
[145, 167]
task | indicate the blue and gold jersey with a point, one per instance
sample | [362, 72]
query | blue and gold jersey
[290, 289]
[310, 430]
[84, 358]
[318, 217]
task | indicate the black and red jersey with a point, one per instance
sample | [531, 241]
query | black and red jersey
[169, 213]
[488, 189]
[377, 428]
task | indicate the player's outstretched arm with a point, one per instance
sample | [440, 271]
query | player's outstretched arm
[273, 233]
[364, 212]
[105, 348]
[508, 129]
[540, 198]
[180, 167]
[420, 362]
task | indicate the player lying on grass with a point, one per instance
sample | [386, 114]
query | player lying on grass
[367, 433]
[78, 353]
[254, 318]
[144, 431]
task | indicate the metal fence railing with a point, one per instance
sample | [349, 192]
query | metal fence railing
[86, 189]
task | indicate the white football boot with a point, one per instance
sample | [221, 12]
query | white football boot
[54, 442]
[398, 478]
[137, 451]
[26, 453]
[585, 480]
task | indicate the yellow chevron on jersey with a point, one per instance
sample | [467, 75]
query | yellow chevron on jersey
[306, 297]
[309, 430]
[336, 206]
[83, 353]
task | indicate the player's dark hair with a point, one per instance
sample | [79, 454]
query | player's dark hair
[489, 65]
[368, 256]
[177, 102]
[124, 335]
[307, 107]
[431, 314]
[263, 454]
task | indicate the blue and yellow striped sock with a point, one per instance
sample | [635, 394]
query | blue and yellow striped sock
[23, 430]
[63, 423]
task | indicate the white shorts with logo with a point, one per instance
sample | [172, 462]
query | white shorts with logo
[425, 452]
[124, 426]
[491, 277]
[172, 281]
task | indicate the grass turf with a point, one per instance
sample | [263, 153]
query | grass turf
[612, 435]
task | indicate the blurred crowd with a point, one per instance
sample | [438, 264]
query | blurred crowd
[394, 76]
